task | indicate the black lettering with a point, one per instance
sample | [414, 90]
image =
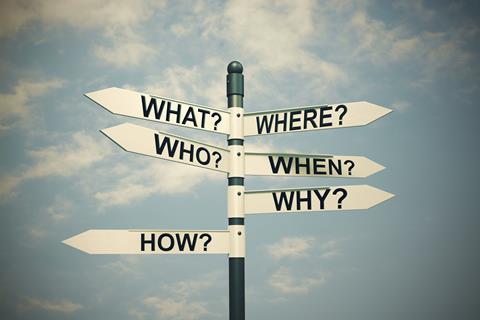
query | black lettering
[165, 142]
[283, 200]
[170, 246]
[332, 166]
[203, 113]
[186, 240]
[190, 116]
[279, 121]
[318, 165]
[324, 116]
[321, 197]
[280, 163]
[176, 112]
[151, 242]
[183, 150]
[311, 118]
[264, 123]
[307, 199]
[299, 165]
[152, 104]
[198, 154]
[293, 120]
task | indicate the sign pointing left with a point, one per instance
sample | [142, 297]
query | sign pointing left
[150, 242]
[167, 146]
[150, 107]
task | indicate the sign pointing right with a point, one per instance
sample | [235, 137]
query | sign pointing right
[313, 118]
[290, 164]
[336, 198]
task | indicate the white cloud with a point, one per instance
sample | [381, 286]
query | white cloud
[150, 176]
[8, 185]
[60, 209]
[129, 52]
[78, 153]
[401, 106]
[37, 233]
[329, 249]
[126, 265]
[118, 20]
[276, 35]
[137, 314]
[61, 306]
[291, 247]
[87, 14]
[284, 281]
[186, 288]
[179, 304]
[15, 107]
[205, 83]
[177, 309]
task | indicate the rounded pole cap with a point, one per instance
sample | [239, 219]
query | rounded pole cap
[235, 67]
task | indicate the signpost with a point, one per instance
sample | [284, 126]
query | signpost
[150, 242]
[290, 164]
[342, 115]
[149, 107]
[236, 163]
[167, 146]
[338, 198]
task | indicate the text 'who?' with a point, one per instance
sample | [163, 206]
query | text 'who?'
[166, 146]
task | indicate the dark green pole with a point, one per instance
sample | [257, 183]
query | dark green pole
[236, 189]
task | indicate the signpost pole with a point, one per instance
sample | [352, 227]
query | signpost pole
[236, 197]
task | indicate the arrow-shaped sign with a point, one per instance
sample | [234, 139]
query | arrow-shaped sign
[165, 110]
[150, 242]
[289, 164]
[313, 118]
[167, 146]
[355, 197]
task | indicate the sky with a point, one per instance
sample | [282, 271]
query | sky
[414, 256]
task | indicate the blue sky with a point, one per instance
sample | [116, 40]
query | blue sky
[414, 256]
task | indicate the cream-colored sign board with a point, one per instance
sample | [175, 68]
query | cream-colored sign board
[308, 118]
[338, 198]
[151, 242]
[289, 164]
[160, 109]
[167, 146]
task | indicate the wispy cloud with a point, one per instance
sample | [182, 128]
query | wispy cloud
[120, 29]
[15, 107]
[276, 35]
[123, 52]
[79, 152]
[37, 233]
[179, 304]
[125, 265]
[60, 209]
[329, 249]
[150, 177]
[291, 247]
[61, 306]
[285, 281]
[401, 106]
[168, 308]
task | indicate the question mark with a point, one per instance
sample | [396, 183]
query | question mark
[216, 121]
[209, 238]
[343, 196]
[218, 159]
[351, 166]
[344, 111]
